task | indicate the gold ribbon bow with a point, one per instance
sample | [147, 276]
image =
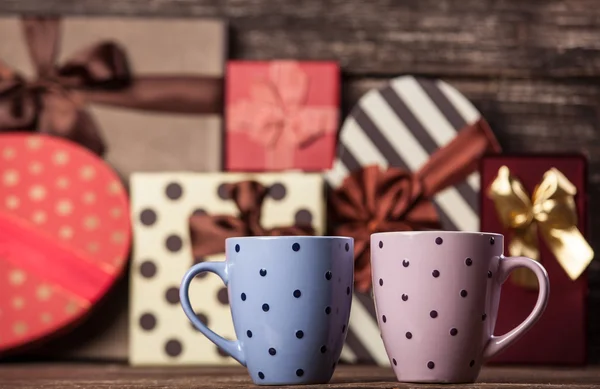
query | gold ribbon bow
[552, 210]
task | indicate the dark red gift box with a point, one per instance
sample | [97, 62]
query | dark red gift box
[559, 336]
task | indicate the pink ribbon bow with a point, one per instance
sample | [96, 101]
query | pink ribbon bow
[276, 115]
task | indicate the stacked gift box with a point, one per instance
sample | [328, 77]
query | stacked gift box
[115, 147]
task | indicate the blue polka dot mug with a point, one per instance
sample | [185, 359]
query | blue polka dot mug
[290, 299]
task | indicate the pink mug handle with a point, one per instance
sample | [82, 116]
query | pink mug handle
[507, 265]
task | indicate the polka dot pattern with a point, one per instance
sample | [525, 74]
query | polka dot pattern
[453, 276]
[168, 234]
[66, 198]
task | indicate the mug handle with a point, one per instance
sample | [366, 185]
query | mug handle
[231, 347]
[507, 265]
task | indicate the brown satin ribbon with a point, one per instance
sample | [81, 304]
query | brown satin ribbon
[372, 200]
[208, 232]
[54, 102]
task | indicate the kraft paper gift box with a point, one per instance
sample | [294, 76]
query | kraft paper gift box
[407, 160]
[144, 93]
[182, 218]
[281, 115]
[554, 234]
[64, 236]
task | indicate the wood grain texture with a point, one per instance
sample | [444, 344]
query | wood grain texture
[438, 37]
[48, 376]
[531, 67]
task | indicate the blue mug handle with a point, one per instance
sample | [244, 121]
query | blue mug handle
[231, 347]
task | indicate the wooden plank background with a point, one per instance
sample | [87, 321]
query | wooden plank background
[532, 67]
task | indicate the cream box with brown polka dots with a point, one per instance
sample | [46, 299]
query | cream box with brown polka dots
[161, 207]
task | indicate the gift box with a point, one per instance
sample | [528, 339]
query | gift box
[64, 236]
[183, 218]
[407, 160]
[281, 115]
[539, 203]
[145, 93]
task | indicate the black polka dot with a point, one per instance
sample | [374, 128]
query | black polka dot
[408, 335]
[439, 240]
[435, 273]
[323, 349]
[148, 217]
[472, 363]
[224, 191]
[327, 310]
[433, 314]
[463, 293]
[492, 240]
[348, 290]
[380, 282]
[404, 297]
[328, 275]
[172, 295]
[272, 351]
[148, 269]
[265, 307]
[221, 352]
[489, 274]
[347, 247]
[243, 296]
[468, 261]
[261, 375]
[299, 372]
[173, 191]
[297, 293]
[394, 362]
[384, 318]
[405, 263]
[343, 328]
[483, 317]
[296, 247]
[173, 347]
[380, 244]
[237, 248]
[263, 272]
[174, 243]
[303, 217]
[453, 331]
[277, 191]
[299, 334]
[203, 319]
[147, 321]
[249, 333]
[222, 296]
[199, 212]
[430, 365]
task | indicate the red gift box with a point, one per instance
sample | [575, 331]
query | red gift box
[559, 336]
[64, 235]
[281, 115]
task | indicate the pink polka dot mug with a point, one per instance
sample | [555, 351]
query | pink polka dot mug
[436, 297]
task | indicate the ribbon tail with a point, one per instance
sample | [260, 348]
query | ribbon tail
[177, 94]
[459, 158]
[570, 248]
[42, 37]
[525, 243]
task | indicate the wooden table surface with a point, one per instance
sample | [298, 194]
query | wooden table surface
[46, 376]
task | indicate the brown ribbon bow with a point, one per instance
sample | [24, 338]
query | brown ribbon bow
[208, 233]
[100, 74]
[371, 200]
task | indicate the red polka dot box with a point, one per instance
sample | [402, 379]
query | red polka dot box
[64, 235]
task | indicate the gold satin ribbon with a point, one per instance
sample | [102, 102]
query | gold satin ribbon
[552, 210]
